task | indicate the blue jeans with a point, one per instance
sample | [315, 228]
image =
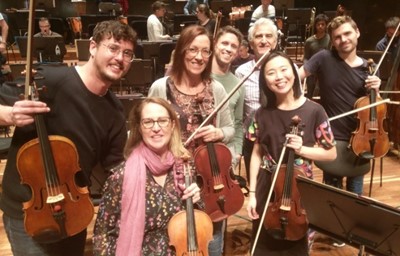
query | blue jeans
[353, 184]
[23, 245]
[216, 246]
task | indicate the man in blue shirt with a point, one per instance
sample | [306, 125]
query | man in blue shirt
[191, 5]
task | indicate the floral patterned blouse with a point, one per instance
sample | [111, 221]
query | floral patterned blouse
[191, 109]
[161, 204]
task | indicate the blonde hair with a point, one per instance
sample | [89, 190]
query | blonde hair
[135, 135]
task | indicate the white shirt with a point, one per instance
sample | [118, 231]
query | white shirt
[252, 90]
[155, 29]
[259, 13]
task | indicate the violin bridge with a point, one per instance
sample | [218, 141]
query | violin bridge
[55, 199]
[219, 186]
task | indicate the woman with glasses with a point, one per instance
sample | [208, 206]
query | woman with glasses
[194, 95]
[146, 190]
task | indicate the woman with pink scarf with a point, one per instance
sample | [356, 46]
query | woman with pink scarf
[145, 191]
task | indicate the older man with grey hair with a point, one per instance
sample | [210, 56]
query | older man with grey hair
[263, 37]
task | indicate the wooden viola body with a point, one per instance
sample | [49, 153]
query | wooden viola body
[370, 140]
[285, 217]
[59, 209]
[190, 230]
[190, 238]
[222, 194]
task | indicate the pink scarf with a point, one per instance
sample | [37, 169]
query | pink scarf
[133, 200]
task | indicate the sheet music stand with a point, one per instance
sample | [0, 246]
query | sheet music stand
[300, 17]
[359, 221]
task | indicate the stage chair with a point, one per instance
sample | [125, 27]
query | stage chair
[140, 76]
[92, 19]
[243, 25]
[82, 49]
[183, 19]
[136, 17]
[165, 56]
[140, 26]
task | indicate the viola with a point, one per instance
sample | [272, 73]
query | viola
[58, 208]
[190, 230]
[285, 217]
[221, 193]
[370, 140]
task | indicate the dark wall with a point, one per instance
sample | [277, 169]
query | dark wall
[370, 15]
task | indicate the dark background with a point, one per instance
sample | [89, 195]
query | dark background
[370, 15]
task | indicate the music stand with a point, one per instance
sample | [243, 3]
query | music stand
[45, 48]
[357, 220]
[299, 17]
[224, 6]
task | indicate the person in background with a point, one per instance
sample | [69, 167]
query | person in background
[77, 104]
[243, 56]
[205, 17]
[226, 46]
[281, 85]
[390, 27]
[343, 78]
[155, 29]
[4, 34]
[145, 191]
[125, 6]
[263, 37]
[191, 5]
[265, 10]
[194, 95]
[319, 41]
[45, 31]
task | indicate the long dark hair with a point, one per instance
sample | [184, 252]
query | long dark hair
[267, 93]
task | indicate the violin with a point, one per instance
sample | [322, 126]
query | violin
[221, 193]
[285, 217]
[370, 140]
[190, 231]
[58, 208]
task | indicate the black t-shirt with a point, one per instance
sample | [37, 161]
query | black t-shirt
[340, 87]
[96, 125]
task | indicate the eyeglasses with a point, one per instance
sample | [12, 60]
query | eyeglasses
[115, 50]
[192, 52]
[148, 123]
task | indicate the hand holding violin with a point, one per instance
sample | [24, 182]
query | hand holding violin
[295, 142]
[192, 191]
[373, 82]
[210, 133]
[23, 111]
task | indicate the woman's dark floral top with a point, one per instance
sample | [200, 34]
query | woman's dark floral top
[161, 204]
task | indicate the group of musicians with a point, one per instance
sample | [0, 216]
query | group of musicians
[171, 186]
